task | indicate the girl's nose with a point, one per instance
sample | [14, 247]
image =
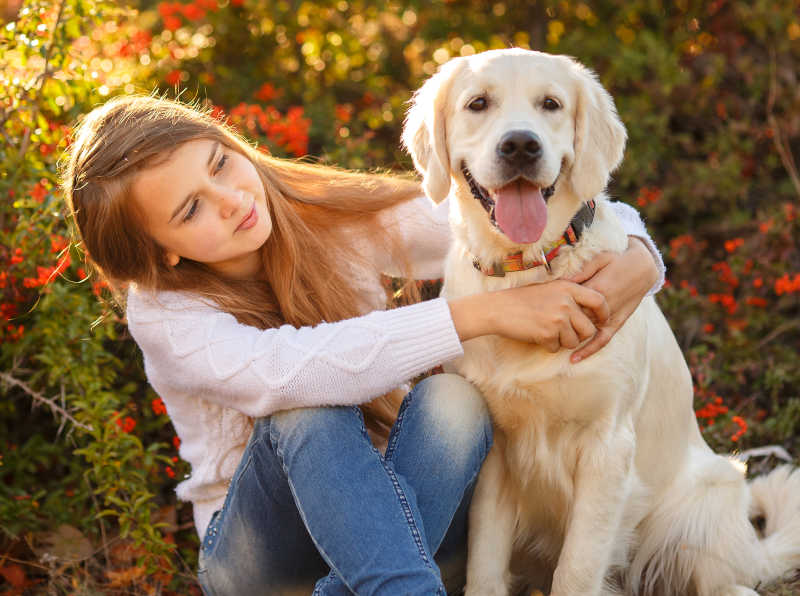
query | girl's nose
[229, 202]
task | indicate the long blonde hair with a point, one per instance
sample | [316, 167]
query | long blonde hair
[305, 280]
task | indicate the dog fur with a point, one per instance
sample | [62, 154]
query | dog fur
[599, 481]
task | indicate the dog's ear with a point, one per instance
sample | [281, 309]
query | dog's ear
[599, 135]
[424, 131]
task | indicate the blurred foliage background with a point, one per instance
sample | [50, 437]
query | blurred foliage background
[708, 91]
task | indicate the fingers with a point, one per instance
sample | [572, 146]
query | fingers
[592, 267]
[567, 338]
[595, 345]
[551, 344]
[594, 301]
[583, 326]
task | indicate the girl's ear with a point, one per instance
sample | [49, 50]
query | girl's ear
[172, 259]
[424, 133]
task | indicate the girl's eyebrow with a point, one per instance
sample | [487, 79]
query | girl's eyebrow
[189, 197]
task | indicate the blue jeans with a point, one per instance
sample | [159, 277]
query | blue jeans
[314, 506]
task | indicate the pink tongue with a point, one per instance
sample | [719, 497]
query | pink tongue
[520, 211]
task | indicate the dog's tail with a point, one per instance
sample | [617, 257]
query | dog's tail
[704, 534]
[775, 513]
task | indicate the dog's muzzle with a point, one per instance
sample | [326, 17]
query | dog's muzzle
[483, 197]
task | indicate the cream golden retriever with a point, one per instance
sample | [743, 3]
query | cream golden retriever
[599, 481]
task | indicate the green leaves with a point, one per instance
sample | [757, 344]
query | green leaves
[706, 90]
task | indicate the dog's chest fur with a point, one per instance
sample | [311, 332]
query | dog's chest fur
[542, 405]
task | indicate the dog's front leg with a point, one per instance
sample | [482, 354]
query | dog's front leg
[602, 485]
[491, 529]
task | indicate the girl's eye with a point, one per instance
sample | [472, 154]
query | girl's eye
[478, 104]
[221, 163]
[192, 210]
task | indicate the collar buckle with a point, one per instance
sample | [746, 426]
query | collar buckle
[545, 262]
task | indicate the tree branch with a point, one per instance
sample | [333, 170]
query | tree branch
[41, 399]
[781, 144]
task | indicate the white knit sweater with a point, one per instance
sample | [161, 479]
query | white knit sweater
[216, 375]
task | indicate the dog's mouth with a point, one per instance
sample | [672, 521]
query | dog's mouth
[518, 209]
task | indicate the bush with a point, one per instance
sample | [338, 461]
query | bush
[708, 91]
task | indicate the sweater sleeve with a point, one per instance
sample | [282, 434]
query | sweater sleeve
[422, 228]
[191, 347]
[634, 226]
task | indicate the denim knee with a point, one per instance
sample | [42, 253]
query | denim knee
[289, 430]
[455, 411]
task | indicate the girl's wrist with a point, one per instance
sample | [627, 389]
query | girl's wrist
[471, 317]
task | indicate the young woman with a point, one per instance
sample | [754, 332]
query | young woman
[253, 290]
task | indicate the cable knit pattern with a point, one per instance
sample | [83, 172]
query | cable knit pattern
[216, 375]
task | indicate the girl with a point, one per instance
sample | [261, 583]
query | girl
[253, 290]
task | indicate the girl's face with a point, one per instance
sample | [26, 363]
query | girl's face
[206, 203]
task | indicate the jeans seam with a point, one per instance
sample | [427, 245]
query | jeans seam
[406, 507]
[398, 490]
[217, 520]
[279, 452]
[397, 427]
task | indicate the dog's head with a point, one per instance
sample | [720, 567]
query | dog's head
[521, 126]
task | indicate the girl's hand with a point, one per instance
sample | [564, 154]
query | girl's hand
[555, 315]
[623, 279]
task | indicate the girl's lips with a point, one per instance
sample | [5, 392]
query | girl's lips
[249, 220]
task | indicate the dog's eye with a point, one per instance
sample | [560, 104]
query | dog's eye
[478, 104]
[550, 104]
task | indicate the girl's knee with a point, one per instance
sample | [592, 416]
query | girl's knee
[455, 407]
[323, 427]
[312, 419]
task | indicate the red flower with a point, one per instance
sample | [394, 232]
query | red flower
[176, 441]
[648, 195]
[343, 113]
[756, 301]
[158, 406]
[725, 274]
[687, 286]
[166, 9]
[170, 472]
[732, 245]
[172, 23]
[39, 192]
[193, 12]
[58, 243]
[787, 285]
[127, 424]
[726, 300]
[742, 424]
[174, 77]
[266, 92]
[98, 287]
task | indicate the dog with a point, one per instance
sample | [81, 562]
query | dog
[599, 480]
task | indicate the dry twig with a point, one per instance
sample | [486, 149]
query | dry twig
[41, 399]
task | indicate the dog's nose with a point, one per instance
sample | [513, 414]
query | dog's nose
[519, 147]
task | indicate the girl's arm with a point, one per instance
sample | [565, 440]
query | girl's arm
[193, 349]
